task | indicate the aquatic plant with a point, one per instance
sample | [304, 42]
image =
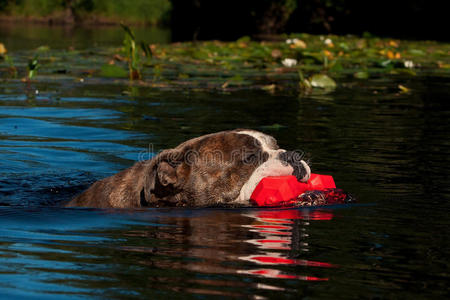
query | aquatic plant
[131, 52]
[273, 66]
[304, 83]
[33, 66]
[12, 70]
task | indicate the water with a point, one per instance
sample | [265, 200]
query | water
[391, 150]
[25, 36]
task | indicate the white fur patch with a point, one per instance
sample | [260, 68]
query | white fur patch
[308, 171]
[272, 167]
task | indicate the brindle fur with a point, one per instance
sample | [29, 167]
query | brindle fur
[170, 179]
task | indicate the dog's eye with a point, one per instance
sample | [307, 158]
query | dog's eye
[251, 158]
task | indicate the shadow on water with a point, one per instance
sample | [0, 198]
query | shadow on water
[389, 149]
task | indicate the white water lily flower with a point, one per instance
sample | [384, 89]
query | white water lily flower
[409, 64]
[328, 42]
[292, 41]
[289, 62]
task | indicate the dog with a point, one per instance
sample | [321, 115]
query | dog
[222, 168]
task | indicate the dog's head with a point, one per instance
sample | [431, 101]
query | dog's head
[223, 167]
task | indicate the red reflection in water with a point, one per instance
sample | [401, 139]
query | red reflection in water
[273, 241]
[294, 214]
[276, 228]
[270, 226]
[276, 259]
[274, 232]
[271, 273]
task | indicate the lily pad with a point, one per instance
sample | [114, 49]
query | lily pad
[403, 89]
[322, 81]
[43, 48]
[361, 75]
[113, 71]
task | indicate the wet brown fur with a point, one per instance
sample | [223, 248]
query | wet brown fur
[171, 179]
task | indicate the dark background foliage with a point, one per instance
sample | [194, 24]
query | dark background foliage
[231, 19]
[203, 19]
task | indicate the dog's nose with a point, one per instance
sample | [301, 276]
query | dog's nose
[301, 169]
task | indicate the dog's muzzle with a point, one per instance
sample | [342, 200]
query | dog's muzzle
[301, 169]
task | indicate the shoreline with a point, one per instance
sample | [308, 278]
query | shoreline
[67, 19]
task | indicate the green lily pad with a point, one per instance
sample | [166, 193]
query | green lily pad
[43, 48]
[322, 81]
[361, 75]
[417, 52]
[113, 71]
[403, 71]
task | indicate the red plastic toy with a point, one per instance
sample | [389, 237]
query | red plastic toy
[279, 190]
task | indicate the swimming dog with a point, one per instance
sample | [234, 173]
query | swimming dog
[222, 168]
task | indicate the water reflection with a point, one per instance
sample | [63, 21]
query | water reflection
[285, 231]
[203, 252]
[27, 36]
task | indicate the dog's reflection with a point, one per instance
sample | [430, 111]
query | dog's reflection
[285, 230]
[223, 246]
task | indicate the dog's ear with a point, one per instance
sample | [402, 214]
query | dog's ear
[162, 180]
[167, 173]
[166, 167]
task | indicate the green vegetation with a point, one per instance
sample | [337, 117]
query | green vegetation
[32, 7]
[297, 63]
[33, 66]
[132, 53]
[68, 11]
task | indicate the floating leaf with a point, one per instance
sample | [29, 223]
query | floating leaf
[237, 78]
[335, 66]
[43, 48]
[403, 71]
[315, 57]
[322, 81]
[361, 75]
[416, 52]
[344, 46]
[113, 71]
[386, 63]
[403, 89]
[275, 126]
[269, 88]
[443, 65]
